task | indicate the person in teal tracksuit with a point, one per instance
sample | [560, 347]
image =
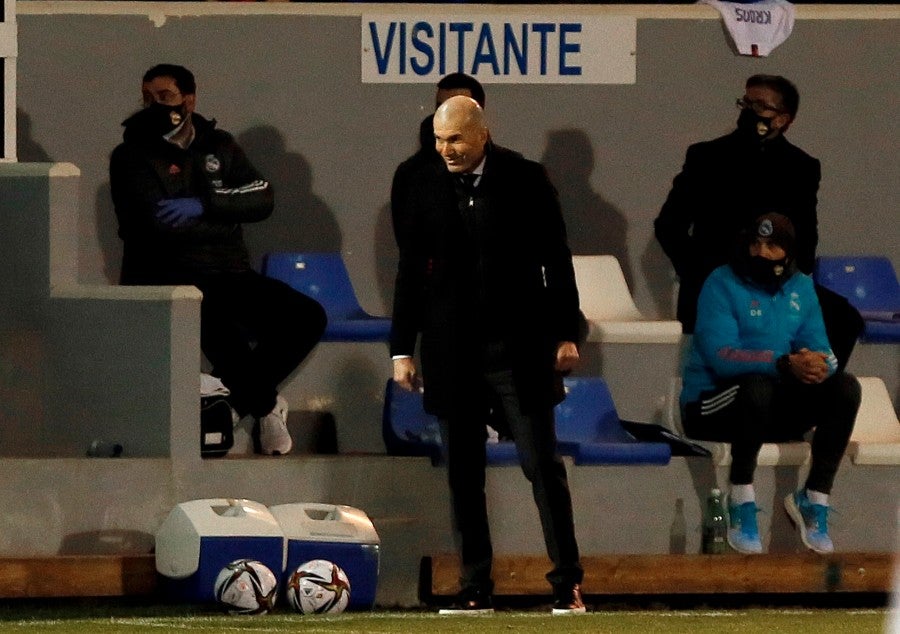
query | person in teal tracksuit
[760, 369]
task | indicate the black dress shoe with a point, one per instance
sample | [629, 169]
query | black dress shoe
[567, 599]
[471, 601]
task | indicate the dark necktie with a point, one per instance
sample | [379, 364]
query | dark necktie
[468, 182]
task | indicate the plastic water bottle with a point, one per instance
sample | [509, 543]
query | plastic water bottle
[715, 530]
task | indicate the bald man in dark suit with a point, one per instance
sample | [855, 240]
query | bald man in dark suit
[485, 274]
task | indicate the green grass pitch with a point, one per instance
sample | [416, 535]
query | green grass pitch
[101, 619]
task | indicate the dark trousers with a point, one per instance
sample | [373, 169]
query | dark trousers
[535, 437]
[255, 331]
[757, 408]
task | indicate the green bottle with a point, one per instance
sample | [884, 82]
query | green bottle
[715, 528]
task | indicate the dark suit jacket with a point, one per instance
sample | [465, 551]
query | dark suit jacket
[529, 269]
[724, 185]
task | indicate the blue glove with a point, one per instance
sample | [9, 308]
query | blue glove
[179, 213]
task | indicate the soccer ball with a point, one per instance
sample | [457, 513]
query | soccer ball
[246, 586]
[318, 587]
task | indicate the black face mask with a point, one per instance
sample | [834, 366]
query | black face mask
[159, 119]
[753, 125]
[769, 274]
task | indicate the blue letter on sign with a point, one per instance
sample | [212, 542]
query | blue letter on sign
[510, 47]
[485, 39]
[565, 47]
[422, 47]
[543, 28]
[382, 57]
[461, 28]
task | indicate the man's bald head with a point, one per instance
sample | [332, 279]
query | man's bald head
[460, 133]
[460, 111]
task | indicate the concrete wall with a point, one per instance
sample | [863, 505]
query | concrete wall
[86, 362]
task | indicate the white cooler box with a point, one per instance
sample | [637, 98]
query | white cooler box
[341, 534]
[200, 537]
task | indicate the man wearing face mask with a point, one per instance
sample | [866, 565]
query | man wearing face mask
[727, 182]
[181, 190]
[760, 369]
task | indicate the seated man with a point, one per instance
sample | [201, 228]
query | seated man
[760, 369]
[181, 190]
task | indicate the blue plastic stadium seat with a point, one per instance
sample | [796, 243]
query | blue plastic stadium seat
[505, 452]
[870, 284]
[324, 277]
[407, 429]
[501, 453]
[587, 427]
[587, 419]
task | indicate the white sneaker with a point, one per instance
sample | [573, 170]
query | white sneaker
[274, 438]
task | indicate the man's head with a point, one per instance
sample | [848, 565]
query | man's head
[456, 84]
[772, 237]
[170, 85]
[766, 255]
[460, 133]
[169, 95]
[768, 106]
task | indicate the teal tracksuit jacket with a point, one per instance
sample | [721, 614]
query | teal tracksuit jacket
[743, 329]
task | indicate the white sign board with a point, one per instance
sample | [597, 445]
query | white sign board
[541, 48]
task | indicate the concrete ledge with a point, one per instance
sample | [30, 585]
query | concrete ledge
[771, 454]
[681, 574]
[638, 331]
[39, 170]
[125, 293]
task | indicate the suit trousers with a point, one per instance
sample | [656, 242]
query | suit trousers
[534, 433]
[756, 408]
[255, 331]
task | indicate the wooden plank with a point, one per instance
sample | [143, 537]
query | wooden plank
[686, 574]
[77, 576]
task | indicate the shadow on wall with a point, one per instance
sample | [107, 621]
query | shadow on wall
[27, 149]
[659, 276]
[107, 233]
[360, 382]
[595, 227]
[386, 251]
[386, 256]
[301, 222]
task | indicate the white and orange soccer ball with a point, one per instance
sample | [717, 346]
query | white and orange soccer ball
[246, 586]
[318, 587]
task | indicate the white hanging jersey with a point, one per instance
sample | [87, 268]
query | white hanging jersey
[756, 27]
